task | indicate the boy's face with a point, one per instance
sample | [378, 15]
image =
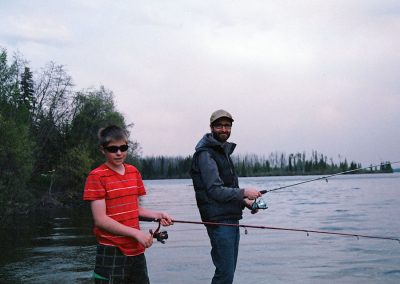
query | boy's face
[115, 159]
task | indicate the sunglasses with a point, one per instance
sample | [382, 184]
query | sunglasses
[219, 126]
[114, 149]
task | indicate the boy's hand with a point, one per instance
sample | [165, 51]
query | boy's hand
[146, 239]
[165, 219]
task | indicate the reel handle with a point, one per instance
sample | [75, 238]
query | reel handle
[258, 204]
[161, 236]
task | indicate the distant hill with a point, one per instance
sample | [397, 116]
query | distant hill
[396, 170]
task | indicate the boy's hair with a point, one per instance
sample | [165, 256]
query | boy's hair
[111, 133]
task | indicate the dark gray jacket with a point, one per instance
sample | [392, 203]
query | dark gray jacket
[215, 181]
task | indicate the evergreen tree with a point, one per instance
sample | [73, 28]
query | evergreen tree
[27, 99]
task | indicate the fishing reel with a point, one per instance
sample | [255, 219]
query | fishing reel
[258, 204]
[161, 236]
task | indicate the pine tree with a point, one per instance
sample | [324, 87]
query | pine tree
[27, 98]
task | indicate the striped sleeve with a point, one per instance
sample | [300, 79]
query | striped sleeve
[94, 189]
[141, 189]
[137, 177]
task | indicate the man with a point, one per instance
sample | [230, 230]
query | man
[218, 195]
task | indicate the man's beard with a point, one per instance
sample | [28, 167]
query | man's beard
[223, 139]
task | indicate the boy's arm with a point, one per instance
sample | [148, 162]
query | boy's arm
[108, 224]
[164, 217]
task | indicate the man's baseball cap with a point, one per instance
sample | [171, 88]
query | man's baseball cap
[219, 114]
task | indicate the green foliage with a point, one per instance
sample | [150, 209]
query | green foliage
[276, 164]
[386, 168]
[293, 164]
[48, 132]
[6, 78]
[49, 140]
[93, 109]
[72, 171]
[27, 100]
[15, 165]
[16, 146]
[161, 167]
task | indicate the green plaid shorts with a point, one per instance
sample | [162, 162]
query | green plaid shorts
[112, 266]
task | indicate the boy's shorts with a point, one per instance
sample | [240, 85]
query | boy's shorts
[112, 266]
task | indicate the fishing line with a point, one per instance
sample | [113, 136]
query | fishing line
[326, 177]
[260, 203]
[278, 229]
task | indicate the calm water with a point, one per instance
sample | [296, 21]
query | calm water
[58, 246]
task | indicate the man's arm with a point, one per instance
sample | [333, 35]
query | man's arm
[214, 184]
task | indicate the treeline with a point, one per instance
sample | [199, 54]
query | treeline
[276, 164]
[49, 140]
[48, 133]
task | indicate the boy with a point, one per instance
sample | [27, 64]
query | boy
[114, 189]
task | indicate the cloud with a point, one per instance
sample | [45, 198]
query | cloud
[46, 31]
[298, 75]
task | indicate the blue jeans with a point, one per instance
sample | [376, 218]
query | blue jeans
[224, 252]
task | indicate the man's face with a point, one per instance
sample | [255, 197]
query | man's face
[221, 129]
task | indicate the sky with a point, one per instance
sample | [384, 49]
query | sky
[297, 76]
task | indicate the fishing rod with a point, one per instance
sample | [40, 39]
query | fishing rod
[326, 177]
[272, 228]
[259, 203]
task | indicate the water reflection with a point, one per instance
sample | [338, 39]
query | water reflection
[47, 247]
[58, 246]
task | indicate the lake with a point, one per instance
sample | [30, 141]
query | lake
[58, 246]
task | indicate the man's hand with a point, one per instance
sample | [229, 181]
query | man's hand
[251, 193]
[249, 205]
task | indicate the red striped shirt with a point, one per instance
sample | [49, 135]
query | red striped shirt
[121, 194]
